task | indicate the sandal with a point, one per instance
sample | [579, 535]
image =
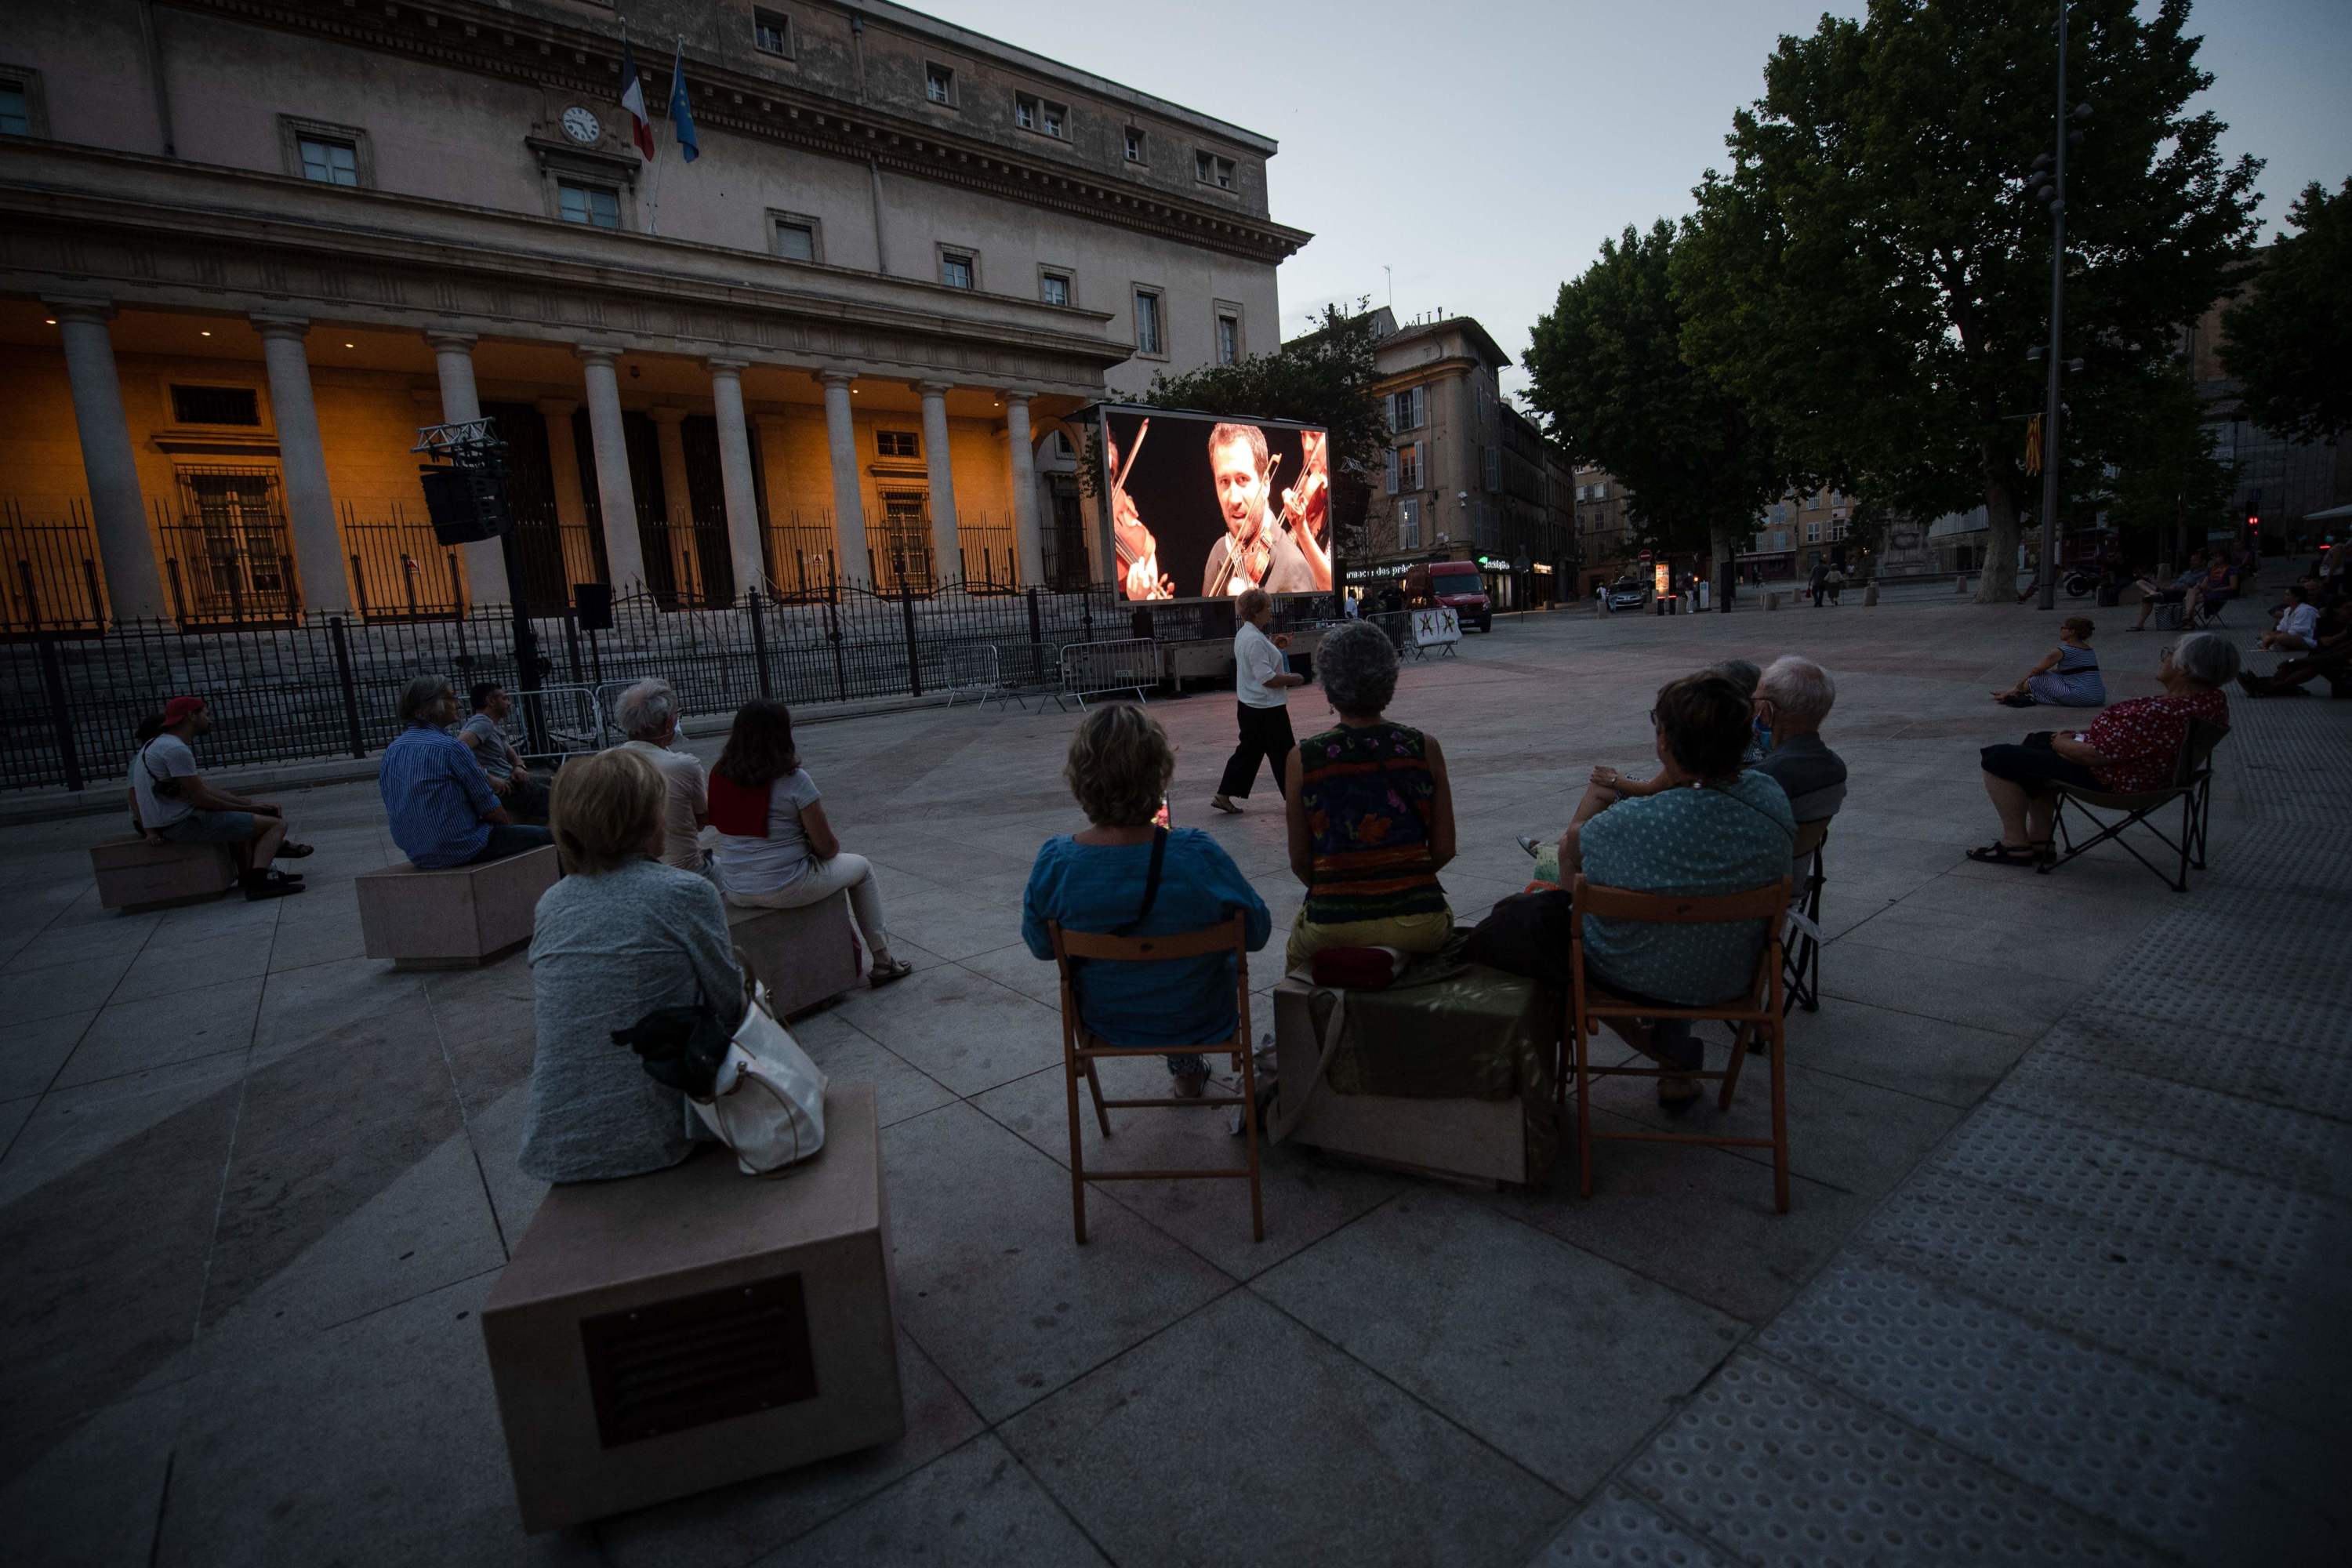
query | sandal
[1221, 803]
[292, 852]
[882, 975]
[1999, 854]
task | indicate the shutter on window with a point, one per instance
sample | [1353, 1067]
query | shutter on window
[1420, 465]
[1420, 406]
[1392, 470]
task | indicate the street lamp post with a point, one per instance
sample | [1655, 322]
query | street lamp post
[2053, 195]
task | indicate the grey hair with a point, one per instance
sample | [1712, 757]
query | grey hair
[1799, 690]
[645, 709]
[2206, 658]
[1251, 601]
[1359, 667]
[1744, 673]
[420, 694]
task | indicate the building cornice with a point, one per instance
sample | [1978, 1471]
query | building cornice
[543, 52]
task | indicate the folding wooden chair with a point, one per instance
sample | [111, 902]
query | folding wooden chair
[1761, 1011]
[1081, 1049]
[2191, 785]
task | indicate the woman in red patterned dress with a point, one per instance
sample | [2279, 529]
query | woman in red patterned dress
[2131, 747]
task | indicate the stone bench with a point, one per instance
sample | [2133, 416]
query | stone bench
[804, 956]
[1503, 1142]
[453, 919]
[670, 1332]
[135, 875]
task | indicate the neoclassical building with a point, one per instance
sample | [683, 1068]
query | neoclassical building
[247, 247]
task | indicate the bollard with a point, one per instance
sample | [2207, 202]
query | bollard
[1960, 584]
[1771, 601]
[1869, 595]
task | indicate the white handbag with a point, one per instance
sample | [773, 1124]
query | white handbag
[768, 1101]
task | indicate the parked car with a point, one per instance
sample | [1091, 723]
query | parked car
[1628, 593]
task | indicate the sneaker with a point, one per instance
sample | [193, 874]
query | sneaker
[1532, 845]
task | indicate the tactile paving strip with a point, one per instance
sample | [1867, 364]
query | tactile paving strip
[2294, 947]
[2094, 1088]
[2287, 756]
[2263, 1012]
[2118, 1440]
[1781, 1470]
[1622, 1529]
[2261, 1226]
[2219, 1328]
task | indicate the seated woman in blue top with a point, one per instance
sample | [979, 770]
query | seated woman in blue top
[443, 810]
[1093, 881]
[1712, 828]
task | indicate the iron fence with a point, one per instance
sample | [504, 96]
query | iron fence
[52, 564]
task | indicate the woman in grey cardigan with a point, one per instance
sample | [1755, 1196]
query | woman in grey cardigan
[619, 936]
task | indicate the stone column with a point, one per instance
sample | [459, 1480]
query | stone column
[134, 589]
[735, 473]
[848, 502]
[303, 466]
[563, 473]
[1024, 487]
[947, 557]
[678, 507]
[625, 555]
[453, 357]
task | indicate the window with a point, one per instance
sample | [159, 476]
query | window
[1212, 170]
[1229, 339]
[1054, 288]
[1409, 409]
[897, 443]
[20, 102]
[1491, 465]
[599, 206]
[1046, 118]
[1408, 525]
[1149, 337]
[957, 268]
[1404, 467]
[328, 162]
[215, 405]
[1780, 539]
[938, 84]
[771, 33]
[796, 238]
[1813, 532]
[1135, 146]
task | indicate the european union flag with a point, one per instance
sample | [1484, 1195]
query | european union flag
[682, 113]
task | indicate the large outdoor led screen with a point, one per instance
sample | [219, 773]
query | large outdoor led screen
[1203, 508]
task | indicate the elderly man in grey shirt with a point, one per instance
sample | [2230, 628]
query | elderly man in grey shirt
[647, 714]
[1800, 694]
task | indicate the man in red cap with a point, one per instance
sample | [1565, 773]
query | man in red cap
[172, 803]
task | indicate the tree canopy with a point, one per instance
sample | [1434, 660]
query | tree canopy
[1611, 379]
[2289, 340]
[1870, 274]
[1323, 377]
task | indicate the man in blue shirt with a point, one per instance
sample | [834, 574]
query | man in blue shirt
[443, 810]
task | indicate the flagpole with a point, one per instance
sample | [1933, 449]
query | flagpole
[653, 199]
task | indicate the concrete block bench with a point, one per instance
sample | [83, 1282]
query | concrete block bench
[670, 1332]
[453, 919]
[804, 956]
[1505, 1140]
[134, 874]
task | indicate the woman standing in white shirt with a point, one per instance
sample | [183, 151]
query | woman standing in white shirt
[1262, 681]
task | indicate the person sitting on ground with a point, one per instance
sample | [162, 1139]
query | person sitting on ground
[1099, 881]
[522, 792]
[776, 848]
[2068, 675]
[1714, 829]
[1371, 814]
[172, 803]
[620, 936]
[2152, 594]
[2331, 657]
[647, 714]
[2131, 748]
[442, 808]
[2298, 625]
[1796, 695]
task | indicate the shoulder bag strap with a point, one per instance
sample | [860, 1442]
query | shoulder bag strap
[1150, 883]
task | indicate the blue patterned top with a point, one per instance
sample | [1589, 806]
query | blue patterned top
[1717, 838]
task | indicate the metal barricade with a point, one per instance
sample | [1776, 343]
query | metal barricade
[971, 670]
[566, 716]
[1094, 668]
[1026, 669]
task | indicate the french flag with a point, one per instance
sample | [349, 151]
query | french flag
[633, 99]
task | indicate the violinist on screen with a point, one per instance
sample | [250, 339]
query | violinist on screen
[1257, 551]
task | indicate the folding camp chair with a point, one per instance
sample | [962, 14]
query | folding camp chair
[1759, 1011]
[1081, 1049]
[2191, 785]
[1804, 944]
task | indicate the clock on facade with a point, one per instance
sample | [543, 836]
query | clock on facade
[580, 125]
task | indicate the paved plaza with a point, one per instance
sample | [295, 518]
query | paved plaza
[2062, 1281]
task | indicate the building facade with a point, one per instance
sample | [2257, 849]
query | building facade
[248, 246]
[1467, 477]
[2275, 479]
[1606, 539]
[1797, 530]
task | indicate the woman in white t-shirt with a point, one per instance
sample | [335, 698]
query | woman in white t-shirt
[776, 850]
[2298, 624]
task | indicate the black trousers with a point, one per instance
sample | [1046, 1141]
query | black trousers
[1265, 733]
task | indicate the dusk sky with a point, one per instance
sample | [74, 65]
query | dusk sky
[1483, 149]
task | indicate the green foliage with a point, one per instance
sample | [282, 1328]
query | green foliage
[1324, 377]
[1872, 270]
[2289, 340]
[1611, 379]
[2169, 486]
